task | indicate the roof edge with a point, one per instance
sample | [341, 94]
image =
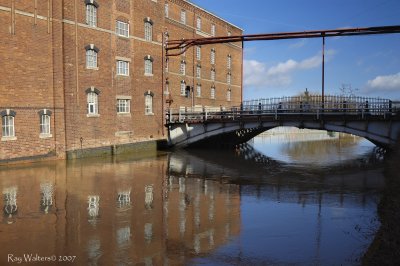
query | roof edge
[213, 14]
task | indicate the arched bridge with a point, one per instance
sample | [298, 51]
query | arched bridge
[375, 119]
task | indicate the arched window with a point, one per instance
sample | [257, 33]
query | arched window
[148, 29]
[198, 23]
[198, 71]
[228, 95]
[229, 61]
[183, 88]
[148, 103]
[91, 56]
[212, 94]
[7, 123]
[91, 12]
[228, 78]
[198, 90]
[183, 67]
[148, 65]
[198, 52]
[212, 73]
[212, 57]
[92, 101]
[45, 117]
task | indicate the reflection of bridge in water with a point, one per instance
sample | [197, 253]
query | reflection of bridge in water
[279, 181]
[377, 120]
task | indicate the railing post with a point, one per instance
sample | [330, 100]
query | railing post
[317, 113]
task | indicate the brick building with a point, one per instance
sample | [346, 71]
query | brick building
[89, 75]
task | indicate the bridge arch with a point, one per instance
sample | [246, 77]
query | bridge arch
[376, 120]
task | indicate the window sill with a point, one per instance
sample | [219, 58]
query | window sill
[122, 76]
[92, 115]
[124, 114]
[8, 138]
[122, 36]
[92, 68]
[149, 114]
[123, 133]
[148, 75]
[45, 136]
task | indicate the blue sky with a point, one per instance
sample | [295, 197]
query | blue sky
[369, 65]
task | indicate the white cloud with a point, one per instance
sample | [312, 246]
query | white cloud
[298, 44]
[385, 83]
[257, 74]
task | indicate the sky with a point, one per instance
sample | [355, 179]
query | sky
[361, 65]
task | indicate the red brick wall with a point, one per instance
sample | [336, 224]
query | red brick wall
[43, 66]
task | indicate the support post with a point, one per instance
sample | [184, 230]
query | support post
[323, 71]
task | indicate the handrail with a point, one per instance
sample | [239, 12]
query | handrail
[310, 106]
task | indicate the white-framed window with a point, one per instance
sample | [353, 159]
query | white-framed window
[148, 104]
[91, 58]
[229, 61]
[228, 78]
[212, 57]
[182, 69]
[198, 23]
[212, 73]
[148, 65]
[183, 16]
[228, 95]
[122, 68]
[212, 29]
[45, 124]
[92, 103]
[166, 10]
[212, 93]
[229, 33]
[148, 30]
[123, 106]
[7, 125]
[122, 28]
[198, 53]
[183, 88]
[198, 90]
[91, 15]
[198, 71]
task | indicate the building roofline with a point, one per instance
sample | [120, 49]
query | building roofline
[212, 14]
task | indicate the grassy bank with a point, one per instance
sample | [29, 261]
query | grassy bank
[385, 249]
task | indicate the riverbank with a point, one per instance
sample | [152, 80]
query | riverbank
[385, 249]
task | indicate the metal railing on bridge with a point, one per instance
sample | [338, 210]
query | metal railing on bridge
[309, 105]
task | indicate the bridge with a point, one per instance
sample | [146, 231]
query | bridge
[375, 119]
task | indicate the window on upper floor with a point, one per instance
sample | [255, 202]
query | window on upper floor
[212, 92]
[166, 10]
[198, 52]
[148, 65]
[148, 29]
[228, 78]
[212, 76]
[198, 23]
[183, 88]
[122, 68]
[212, 29]
[122, 28]
[183, 16]
[228, 95]
[229, 33]
[91, 56]
[123, 106]
[91, 13]
[229, 61]
[92, 103]
[198, 71]
[198, 90]
[148, 103]
[182, 69]
[212, 57]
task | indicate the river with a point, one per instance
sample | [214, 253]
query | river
[286, 197]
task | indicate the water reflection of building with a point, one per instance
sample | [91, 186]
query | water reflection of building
[112, 213]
